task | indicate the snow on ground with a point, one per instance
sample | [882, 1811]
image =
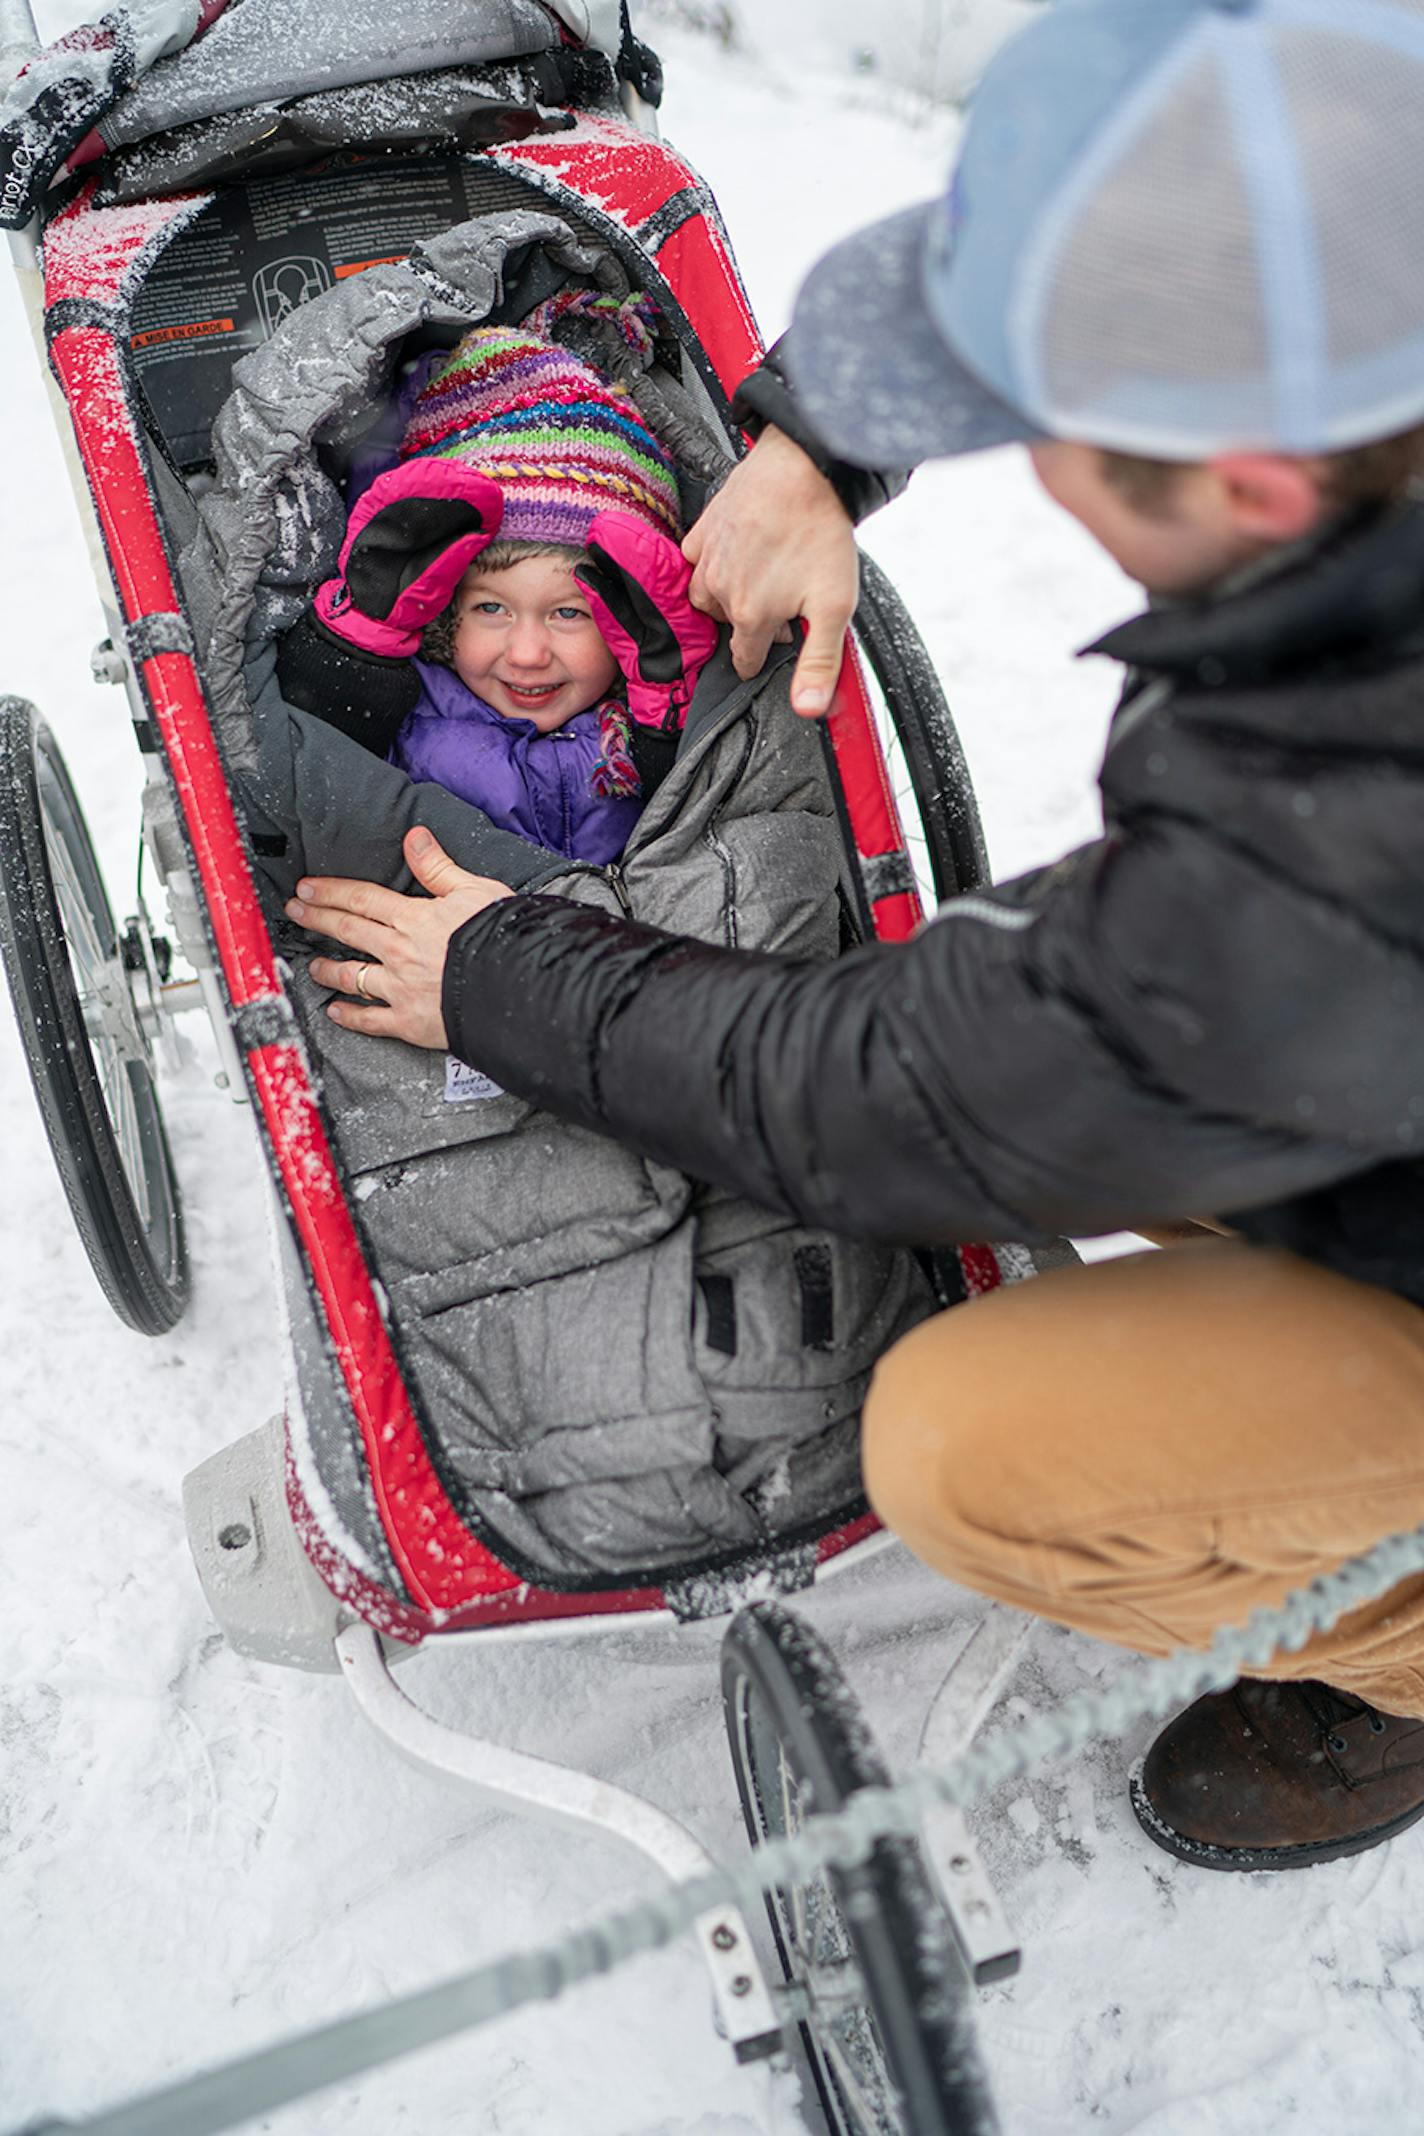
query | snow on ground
[198, 1854]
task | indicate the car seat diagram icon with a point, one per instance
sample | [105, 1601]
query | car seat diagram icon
[282, 285]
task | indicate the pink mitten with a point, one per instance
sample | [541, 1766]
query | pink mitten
[410, 541]
[637, 580]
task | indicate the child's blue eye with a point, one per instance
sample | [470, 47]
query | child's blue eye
[573, 615]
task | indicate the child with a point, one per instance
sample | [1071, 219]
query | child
[515, 713]
[533, 491]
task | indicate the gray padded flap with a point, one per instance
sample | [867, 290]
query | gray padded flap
[597, 22]
[275, 49]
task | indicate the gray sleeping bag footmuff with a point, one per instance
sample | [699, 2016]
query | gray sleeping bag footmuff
[624, 1370]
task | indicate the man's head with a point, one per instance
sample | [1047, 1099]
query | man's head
[1176, 526]
[1179, 229]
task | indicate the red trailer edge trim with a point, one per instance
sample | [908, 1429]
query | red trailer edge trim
[442, 1562]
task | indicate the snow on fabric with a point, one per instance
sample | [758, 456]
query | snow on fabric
[249, 53]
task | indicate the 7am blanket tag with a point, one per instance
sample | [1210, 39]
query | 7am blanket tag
[464, 1084]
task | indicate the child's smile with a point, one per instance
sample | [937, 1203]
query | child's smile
[527, 643]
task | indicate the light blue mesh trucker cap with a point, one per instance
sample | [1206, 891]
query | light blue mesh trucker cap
[1175, 227]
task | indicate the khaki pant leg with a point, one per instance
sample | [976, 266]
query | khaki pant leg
[1148, 1449]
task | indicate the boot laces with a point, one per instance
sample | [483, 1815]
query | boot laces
[1330, 1707]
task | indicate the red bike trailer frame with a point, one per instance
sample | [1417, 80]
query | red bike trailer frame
[633, 188]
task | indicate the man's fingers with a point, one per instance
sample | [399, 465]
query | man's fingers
[348, 978]
[375, 1020]
[341, 893]
[347, 927]
[370, 1013]
[700, 594]
[817, 670]
[430, 864]
[750, 643]
[443, 877]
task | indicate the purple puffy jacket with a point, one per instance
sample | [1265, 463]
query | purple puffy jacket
[538, 785]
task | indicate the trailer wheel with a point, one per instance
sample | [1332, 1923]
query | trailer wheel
[86, 1050]
[872, 1969]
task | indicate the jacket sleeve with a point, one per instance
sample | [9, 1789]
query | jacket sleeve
[767, 396]
[1130, 1035]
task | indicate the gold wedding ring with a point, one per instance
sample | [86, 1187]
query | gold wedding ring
[361, 971]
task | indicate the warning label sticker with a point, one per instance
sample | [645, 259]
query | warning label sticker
[189, 330]
[255, 255]
[388, 259]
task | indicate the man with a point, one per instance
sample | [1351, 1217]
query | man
[1179, 260]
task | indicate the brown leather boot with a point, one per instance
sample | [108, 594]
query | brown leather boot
[1277, 1776]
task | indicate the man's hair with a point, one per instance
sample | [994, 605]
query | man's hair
[1377, 473]
[438, 642]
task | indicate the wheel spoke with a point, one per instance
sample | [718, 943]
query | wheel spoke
[877, 2111]
[113, 1049]
[128, 1132]
[907, 806]
[86, 951]
[791, 1821]
[834, 1988]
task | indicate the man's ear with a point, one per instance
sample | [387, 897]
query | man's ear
[1268, 497]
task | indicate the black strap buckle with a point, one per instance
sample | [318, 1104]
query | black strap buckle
[639, 66]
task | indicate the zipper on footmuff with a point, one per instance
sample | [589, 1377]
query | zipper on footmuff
[610, 872]
[614, 871]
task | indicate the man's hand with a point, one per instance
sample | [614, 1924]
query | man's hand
[401, 941]
[775, 542]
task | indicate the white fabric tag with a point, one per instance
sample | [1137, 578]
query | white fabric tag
[464, 1084]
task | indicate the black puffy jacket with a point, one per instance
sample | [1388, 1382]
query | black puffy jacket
[1217, 1008]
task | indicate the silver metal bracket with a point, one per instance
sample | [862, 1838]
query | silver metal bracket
[164, 840]
[157, 1000]
[981, 1927]
[266, 1595]
[532, 1786]
[988, 1653]
[107, 663]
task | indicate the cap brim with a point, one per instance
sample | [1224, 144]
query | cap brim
[871, 366]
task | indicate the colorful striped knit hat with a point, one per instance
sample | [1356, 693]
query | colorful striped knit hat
[562, 444]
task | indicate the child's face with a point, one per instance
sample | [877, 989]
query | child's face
[526, 642]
